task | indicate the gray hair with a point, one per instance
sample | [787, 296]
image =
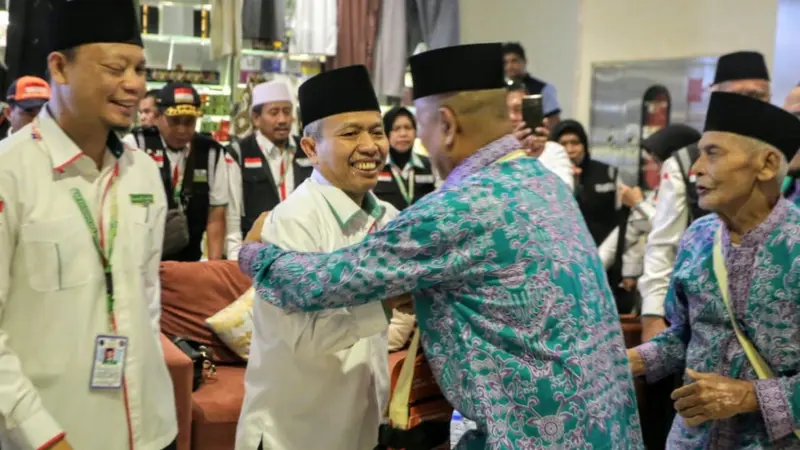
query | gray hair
[314, 129]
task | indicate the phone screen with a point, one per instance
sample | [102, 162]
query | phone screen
[532, 111]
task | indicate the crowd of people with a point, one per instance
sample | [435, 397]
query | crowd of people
[506, 248]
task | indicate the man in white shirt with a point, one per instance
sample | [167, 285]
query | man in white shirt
[320, 380]
[81, 224]
[552, 155]
[269, 166]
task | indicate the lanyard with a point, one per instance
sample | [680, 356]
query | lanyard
[178, 174]
[105, 248]
[408, 194]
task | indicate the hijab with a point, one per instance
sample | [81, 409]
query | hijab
[400, 159]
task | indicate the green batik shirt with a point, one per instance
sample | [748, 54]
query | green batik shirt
[517, 319]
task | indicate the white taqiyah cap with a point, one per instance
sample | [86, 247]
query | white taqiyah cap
[271, 91]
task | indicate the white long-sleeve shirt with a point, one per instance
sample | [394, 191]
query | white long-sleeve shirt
[639, 226]
[555, 158]
[669, 223]
[53, 296]
[317, 380]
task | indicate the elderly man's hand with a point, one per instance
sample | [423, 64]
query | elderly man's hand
[714, 397]
[402, 303]
[254, 235]
[638, 367]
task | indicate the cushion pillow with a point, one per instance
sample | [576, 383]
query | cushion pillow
[234, 324]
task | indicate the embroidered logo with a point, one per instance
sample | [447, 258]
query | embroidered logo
[142, 199]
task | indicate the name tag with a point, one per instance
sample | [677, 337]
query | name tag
[142, 199]
[108, 367]
[384, 176]
[303, 162]
[200, 175]
[424, 179]
[252, 163]
[605, 187]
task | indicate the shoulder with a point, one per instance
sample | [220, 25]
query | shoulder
[21, 157]
[206, 141]
[701, 230]
[304, 206]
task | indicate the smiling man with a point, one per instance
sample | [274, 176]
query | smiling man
[320, 379]
[736, 284]
[81, 226]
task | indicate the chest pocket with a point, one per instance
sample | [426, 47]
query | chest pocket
[58, 254]
[257, 175]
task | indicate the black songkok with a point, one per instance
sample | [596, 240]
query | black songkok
[338, 91]
[472, 67]
[78, 22]
[669, 139]
[745, 116]
[741, 66]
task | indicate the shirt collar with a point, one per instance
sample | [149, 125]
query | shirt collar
[63, 150]
[269, 147]
[758, 236]
[343, 207]
[484, 157]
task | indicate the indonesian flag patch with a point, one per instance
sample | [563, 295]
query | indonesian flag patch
[692, 177]
[252, 163]
[184, 95]
[2, 205]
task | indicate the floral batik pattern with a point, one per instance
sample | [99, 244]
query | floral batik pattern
[764, 288]
[517, 319]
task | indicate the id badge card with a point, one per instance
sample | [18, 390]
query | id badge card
[109, 362]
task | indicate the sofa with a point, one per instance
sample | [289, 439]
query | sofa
[191, 292]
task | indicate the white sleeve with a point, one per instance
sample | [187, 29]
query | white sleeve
[320, 332]
[633, 258]
[152, 279]
[669, 223]
[233, 213]
[28, 423]
[130, 140]
[555, 158]
[608, 249]
[218, 195]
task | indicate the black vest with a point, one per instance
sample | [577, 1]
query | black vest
[259, 192]
[596, 194]
[388, 190]
[195, 189]
[686, 158]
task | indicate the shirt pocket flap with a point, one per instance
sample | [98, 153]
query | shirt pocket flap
[59, 254]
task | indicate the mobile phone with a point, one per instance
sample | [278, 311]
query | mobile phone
[532, 111]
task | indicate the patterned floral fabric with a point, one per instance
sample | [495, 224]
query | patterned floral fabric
[764, 286]
[517, 319]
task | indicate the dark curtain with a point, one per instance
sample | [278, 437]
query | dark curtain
[434, 22]
[27, 39]
[357, 33]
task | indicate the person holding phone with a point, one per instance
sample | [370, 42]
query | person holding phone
[532, 132]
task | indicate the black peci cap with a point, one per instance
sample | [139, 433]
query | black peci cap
[338, 91]
[745, 116]
[77, 22]
[471, 67]
[669, 139]
[741, 66]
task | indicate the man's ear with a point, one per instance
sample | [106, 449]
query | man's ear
[309, 146]
[449, 123]
[57, 66]
[770, 166]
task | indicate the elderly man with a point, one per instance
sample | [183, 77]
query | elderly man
[743, 73]
[517, 319]
[734, 298]
[791, 185]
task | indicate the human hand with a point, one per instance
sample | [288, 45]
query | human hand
[652, 327]
[402, 303]
[629, 284]
[635, 360]
[254, 235]
[536, 142]
[630, 196]
[714, 397]
[522, 133]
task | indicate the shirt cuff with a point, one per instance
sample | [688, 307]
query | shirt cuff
[370, 319]
[775, 410]
[655, 369]
[652, 307]
[39, 431]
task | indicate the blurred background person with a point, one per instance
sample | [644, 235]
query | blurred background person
[148, 109]
[25, 98]
[515, 68]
